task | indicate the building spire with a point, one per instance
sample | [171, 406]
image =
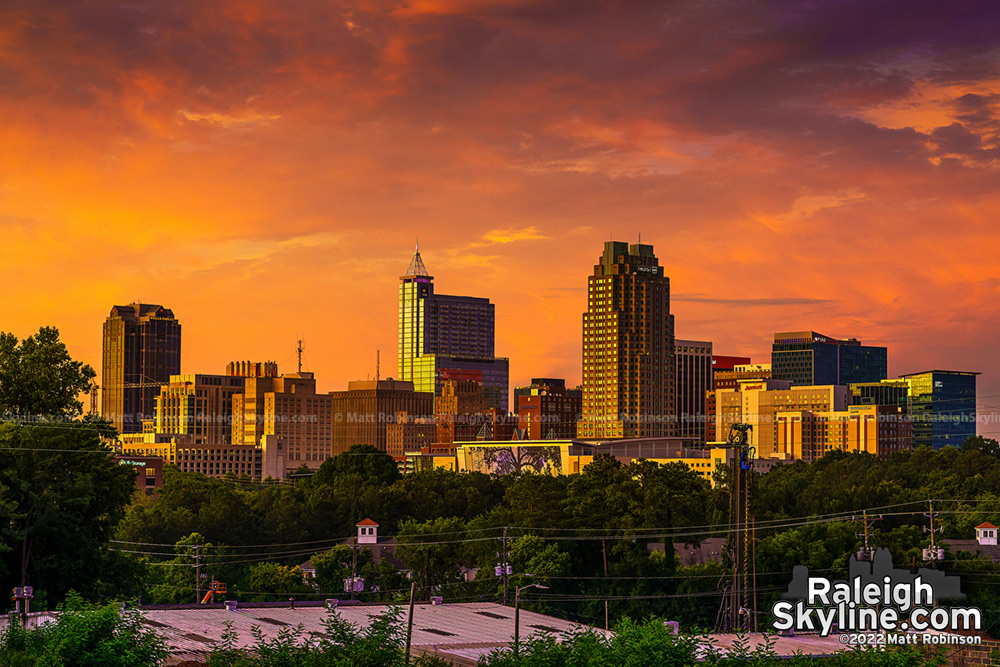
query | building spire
[417, 267]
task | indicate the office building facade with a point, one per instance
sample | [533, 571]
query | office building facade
[729, 378]
[141, 350]
[368, 407]
[879, 430]
[549, 411]
[285, 416]
[810, 358]
[756, 402]
[443, 337]
[895, 393]
[198, 405]
[693, 360]
[942, 407]
[629, 373]
[727, 363]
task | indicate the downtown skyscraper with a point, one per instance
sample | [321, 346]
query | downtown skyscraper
[141, 350]
[629, 373]
[443, 337]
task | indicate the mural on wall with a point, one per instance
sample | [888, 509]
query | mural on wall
[515, 459]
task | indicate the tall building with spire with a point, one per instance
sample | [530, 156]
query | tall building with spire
[141, 350]
[629, 375]
[444, 337]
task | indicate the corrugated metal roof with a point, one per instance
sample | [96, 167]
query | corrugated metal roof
[463, 631]
[469, 629]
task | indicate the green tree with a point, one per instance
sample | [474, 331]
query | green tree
[269, 580]
[38, 379]
[64, 494]
[85, 635]
[362, 465]
[431, 550]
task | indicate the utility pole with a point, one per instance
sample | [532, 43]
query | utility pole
[409, 623]
[506, 566]
[503, 568]
[866, 554]
[354, 567]
[197, 573]
[739, 592]
[933, 554]
[604, 553]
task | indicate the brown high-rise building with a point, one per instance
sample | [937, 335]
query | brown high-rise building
[141, 350]
[628, 347]
[363, 412]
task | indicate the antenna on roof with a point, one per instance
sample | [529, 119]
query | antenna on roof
[377, 353]
[298, 351]
[418, 244]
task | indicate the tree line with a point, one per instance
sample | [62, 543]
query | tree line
[600, 542]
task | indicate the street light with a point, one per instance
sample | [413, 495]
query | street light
[517, 610]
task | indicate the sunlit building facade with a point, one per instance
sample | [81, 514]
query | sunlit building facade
[810, 358]
[198, 405]
[285, 416]
[879, 430]
[756, 402]
[629, 374]
[943, 407]
[548, 410]
[363, 412]
[141, 350]
[444, 337]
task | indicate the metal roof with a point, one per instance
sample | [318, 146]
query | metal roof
[462, 630]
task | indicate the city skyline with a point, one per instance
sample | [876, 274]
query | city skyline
[829, 169]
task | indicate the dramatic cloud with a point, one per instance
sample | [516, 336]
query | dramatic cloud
[264, 169]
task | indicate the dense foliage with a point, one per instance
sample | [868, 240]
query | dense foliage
[61, 493]
[653, 643]
[380, 644]
[597, 546]
[84, 635]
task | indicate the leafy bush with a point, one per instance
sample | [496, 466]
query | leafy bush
[84, 635]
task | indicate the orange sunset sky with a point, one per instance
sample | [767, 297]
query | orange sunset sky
[264, 168]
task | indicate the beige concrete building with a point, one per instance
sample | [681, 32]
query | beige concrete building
[878, 430]
[756, 402]
[197, 405]
[212, 460]
[287, 418]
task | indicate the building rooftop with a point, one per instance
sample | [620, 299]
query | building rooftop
[461, 633]
[417, 267]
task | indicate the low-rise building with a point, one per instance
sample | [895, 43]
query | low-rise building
[568, 457]
[547, 410]
[807, 435]
[212, 460]
[148, 472]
